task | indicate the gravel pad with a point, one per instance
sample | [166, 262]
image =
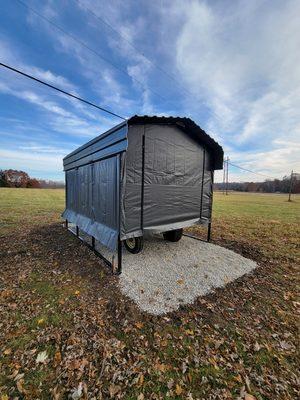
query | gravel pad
[166, 275]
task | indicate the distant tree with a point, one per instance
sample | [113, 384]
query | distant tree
[33, 183]
[268, 186]
[3, 182]
[15, 178]
[51, 184]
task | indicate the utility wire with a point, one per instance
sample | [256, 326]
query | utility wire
[124, 38]
[61, 90]
[248, 170]
[83, 44]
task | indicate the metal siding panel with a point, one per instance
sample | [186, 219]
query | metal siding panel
[109, 151]
[96, 139]
[109, 140]
[93, 191]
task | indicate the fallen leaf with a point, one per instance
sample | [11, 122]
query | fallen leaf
[139, 325]
[77, 292]
[114, 389]
[141, 380]
[161, 367]
[56, 393]
[189, 332]
[140, 396]
[4, 397]
[238, 378]
[41, 357]
[57, 358]
[77, 393]
[170, 383]
[20, 386]
[285, 345]
[18, 377]
[257, 347]
[249, 397]
[7, 352]
[41, 321]
[178, 390]
[180, 281]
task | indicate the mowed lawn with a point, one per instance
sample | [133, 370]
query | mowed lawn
[66, 331]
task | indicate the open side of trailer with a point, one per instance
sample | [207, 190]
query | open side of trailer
[147, 174]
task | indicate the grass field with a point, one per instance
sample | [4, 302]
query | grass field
[67, 332]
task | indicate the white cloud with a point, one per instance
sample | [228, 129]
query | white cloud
[27, 160]
[242, 59]
[238, 61]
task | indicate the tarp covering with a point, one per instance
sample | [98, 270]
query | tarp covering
[190, 128]
[175, 165]
[146, 174]
[93, 199]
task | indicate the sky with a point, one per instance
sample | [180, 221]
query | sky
[233, 67]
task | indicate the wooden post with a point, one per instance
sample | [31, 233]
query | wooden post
[224, 172]
[291, 186]
[227, 175]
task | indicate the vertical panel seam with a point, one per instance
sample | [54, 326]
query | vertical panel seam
[143, 175]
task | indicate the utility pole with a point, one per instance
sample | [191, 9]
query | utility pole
[291, 186]
[227, 175]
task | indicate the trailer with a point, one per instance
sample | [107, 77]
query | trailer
[149, 174]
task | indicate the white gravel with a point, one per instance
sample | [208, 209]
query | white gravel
[166, 275]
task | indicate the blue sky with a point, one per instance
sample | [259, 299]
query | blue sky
[235, 64]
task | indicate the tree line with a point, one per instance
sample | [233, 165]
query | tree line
[19, 179]
[268, 186]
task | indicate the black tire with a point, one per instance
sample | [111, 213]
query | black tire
[173, 236]
[134, 245]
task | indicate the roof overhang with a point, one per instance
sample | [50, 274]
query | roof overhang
[188, 126]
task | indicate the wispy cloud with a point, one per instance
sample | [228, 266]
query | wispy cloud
[29, 160]
[236, 67]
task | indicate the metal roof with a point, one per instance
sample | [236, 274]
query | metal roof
[188, 126]
[115, 140]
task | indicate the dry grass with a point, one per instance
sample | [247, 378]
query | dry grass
[57, 297]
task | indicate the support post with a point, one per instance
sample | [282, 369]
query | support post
[93, 243]
[209, 232]
[291, 186]
[227, 165]
[224, 172]
[77, 231]
[211, 204]
[119, 269]
[143, 177]
[67, 224]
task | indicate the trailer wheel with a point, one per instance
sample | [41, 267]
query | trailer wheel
[173, 236]
[134, 245]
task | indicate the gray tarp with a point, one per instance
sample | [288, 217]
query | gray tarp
[173, 174]
[93, 199]
[173, 190]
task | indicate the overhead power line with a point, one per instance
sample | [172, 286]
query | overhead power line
[83, 44]
[96, 53]
[124, 38]
[61, 90]
[252, 172]
[158, 67]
